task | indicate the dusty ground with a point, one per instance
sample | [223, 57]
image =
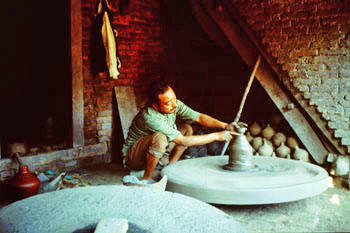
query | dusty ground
[327, 212]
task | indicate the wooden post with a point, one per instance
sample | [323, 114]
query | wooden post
[77, 74]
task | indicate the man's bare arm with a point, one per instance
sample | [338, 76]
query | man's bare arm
[211, 122]
[196, 140]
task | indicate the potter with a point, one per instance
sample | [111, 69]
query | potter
[154, 133]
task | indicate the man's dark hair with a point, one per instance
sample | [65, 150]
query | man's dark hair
[157, 87]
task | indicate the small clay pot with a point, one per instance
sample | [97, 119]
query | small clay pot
[292, 142]
[255, 129]
[270, 144]
[268, 132]
[257, 142]
[265, 149]
[300, 154]
[283, 151]
[278, 138]
[249, 137]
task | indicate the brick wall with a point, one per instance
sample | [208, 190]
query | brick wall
[156, 39]
[309, 39]
[141, 48]
[311, 42]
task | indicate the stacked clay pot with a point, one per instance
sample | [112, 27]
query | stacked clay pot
[265, 149]
[283, 151]
[267, 141]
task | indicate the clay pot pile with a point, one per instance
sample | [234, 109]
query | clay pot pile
[26, 149]
[267, 141]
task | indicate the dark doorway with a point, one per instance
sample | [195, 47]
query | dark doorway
[36, 86]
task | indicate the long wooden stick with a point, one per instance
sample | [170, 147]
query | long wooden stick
[246, 91]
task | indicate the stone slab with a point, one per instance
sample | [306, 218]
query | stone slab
[127, 107]
[146, 210]
[275, 180]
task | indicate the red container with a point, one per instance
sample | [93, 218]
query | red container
[25, 183]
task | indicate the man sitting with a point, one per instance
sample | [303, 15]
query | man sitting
[154, 133]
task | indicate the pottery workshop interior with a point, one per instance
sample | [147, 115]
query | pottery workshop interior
[278, 72]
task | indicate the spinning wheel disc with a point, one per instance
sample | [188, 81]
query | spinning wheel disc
[275, 180]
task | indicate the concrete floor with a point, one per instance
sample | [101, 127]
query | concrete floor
[327, 212]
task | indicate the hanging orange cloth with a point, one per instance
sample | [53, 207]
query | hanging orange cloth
[109, 40]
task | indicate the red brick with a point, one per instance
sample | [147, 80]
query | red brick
[309, 7]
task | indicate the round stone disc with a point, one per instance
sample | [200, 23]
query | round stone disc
[146, 210]
[275, 180]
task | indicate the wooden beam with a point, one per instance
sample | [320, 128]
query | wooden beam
[77, 74]
[266, 77]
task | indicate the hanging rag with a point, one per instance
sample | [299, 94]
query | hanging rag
[104, 51]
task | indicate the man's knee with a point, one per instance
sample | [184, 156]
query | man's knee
[186, 129]
[158, 145]
[160, 138]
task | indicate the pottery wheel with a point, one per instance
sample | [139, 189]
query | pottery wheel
[275, 180]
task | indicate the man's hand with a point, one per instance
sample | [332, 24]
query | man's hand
[225, 135]
[234, 126]
[230, 126]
